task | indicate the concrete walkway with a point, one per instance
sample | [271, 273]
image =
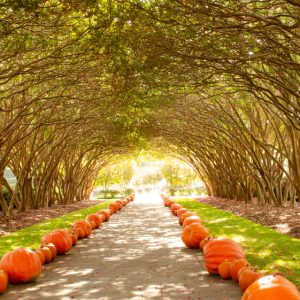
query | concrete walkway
[137, 255]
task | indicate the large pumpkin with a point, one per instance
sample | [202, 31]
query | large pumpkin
[273, 287]
[194, 233]
[190, 220]
[217, 250]
[94, 217]
[61, 240]
[21, 265]
[247, 276]
[106, 213]
[3, 281]
[185, 215]
[181, 211]
[85, 225]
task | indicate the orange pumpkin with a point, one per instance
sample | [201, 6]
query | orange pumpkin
[247, 276]
[217, 250]
[105, 212]
[204, 241]
[273, 287]
[94, 217]
[192, 234]
[85, 225]
[47, 254]
[190, 220]
[74, 235]
[181, 211]
[81, 233]
[41, 255]
[185, 215]
[174, 207]
[60, 238]
[21, 265]
[52, 248]
[3, 281]
[223, 269]
[235, 266]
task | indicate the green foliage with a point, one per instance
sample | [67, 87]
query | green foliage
[266, 249]
[31, 236]
[116, 174]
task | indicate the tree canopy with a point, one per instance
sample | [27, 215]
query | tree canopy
[214, 82]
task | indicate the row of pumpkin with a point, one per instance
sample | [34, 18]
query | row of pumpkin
[23, 265]
[226, 258]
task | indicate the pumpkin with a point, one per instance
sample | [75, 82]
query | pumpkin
[41, 255]
[223, 269]
[85, 225]
[81, 233]
[217, 250]
[192, 234]
[273, 287]
[181, 211]
[190, 220]
[52, 249]
[204, 241]
[247, 276]
[235, 266]
[47, 254]
[174, 207]
[3, 281]
[21, 265]
[168, 202]
[73, 232]
[60, 238]
[94, 217]
[104, 212]
[113, 208]
[185, 215]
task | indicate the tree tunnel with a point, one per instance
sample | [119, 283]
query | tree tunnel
[83, 83]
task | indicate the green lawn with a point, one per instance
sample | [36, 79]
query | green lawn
[31, 236]
[265, 248]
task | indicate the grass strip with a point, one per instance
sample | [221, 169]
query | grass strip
[31, 236]
[267, 250]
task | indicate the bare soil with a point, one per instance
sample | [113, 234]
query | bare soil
[21, 220]
[283, 219]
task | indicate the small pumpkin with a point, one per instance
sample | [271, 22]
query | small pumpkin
[192, 234]
[3, 281]
[41, 255]
[273, 287]
[52, 248]
[73, 232]
[21, 265]
[223, 269]
[235, 266]
[47, 254]
[204, 241]
[60, 238]
[247, 276]
[190, 220]
[174, 207]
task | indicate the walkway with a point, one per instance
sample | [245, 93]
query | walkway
[137, 255]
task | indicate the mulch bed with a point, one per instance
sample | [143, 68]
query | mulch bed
[21, 220]
[283, 219]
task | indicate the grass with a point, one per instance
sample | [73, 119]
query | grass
[31, 236]
[266, 249]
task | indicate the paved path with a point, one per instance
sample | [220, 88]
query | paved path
[137, 255]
